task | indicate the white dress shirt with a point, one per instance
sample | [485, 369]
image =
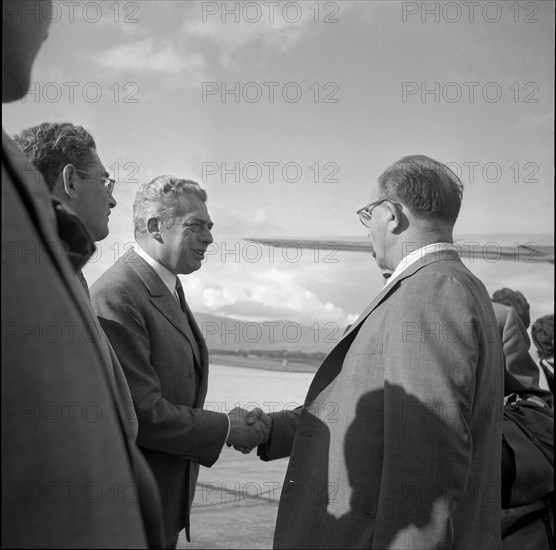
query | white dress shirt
[168, 278]
[417, 255]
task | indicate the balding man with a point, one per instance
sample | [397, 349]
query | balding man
[398, 442]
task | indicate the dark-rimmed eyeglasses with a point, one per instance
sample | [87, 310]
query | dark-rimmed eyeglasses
[366, 212]
[107, 182]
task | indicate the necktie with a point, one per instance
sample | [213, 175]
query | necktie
[84, 284]
[181, 296]
[190, 321]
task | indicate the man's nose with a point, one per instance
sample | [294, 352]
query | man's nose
[112, 202]
[207, 237]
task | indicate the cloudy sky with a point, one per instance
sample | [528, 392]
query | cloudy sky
[286, 112]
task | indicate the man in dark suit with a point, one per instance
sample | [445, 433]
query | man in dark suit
[71, 477]
[142, 308]
[398, 442]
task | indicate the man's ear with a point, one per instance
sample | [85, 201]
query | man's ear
[154, 229]
[69, 182]
[392, 216]
[395, 218]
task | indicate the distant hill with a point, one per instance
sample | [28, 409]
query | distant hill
[227, 334]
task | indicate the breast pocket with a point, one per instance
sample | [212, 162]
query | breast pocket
[363, 364]
[367, 346]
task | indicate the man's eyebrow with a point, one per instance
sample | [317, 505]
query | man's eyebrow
[198, 220]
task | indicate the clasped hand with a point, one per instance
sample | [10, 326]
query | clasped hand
[248, 429]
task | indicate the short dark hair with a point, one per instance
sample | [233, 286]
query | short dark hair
[427, 187]
[515, 300]
[542, 332]
[52, 145]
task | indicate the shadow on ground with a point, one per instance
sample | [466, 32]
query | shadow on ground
[236, 503]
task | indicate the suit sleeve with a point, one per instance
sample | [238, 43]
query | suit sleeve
[431, 355]
[280, 442]
[192, 433]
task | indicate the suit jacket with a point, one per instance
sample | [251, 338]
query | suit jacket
[521, 374]
[71, 479]
[165, 361]
[117, 378]
[398, 442]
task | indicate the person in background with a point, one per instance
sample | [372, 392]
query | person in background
[516, 300]
[521, 374]
[542, 333]
[528, 440]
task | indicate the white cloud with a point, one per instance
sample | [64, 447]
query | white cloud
[232, 37]
[278, 26]
[162, 56]
[266, 294]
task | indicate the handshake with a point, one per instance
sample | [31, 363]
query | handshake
[248, 429]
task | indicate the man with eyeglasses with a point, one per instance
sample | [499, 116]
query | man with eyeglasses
[66, 155]
[67, 158]
[398, 442]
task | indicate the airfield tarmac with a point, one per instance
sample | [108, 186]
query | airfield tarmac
[236, 500]
[236, 503]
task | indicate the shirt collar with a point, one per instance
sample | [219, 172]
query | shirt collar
[417, 255]
[168, 278]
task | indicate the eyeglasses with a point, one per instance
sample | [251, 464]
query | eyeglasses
[366, 212]
[107, 182]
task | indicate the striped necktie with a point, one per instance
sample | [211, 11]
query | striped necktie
[84, 284]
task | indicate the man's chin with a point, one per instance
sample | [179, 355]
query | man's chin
[190, 268]
[101, 235]
[381, 265]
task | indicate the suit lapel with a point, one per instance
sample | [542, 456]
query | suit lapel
[203, 363]
[162, 300]
[199, 339]
[332, 365]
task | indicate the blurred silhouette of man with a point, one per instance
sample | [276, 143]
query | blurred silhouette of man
[421, 471]
[71, 476]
